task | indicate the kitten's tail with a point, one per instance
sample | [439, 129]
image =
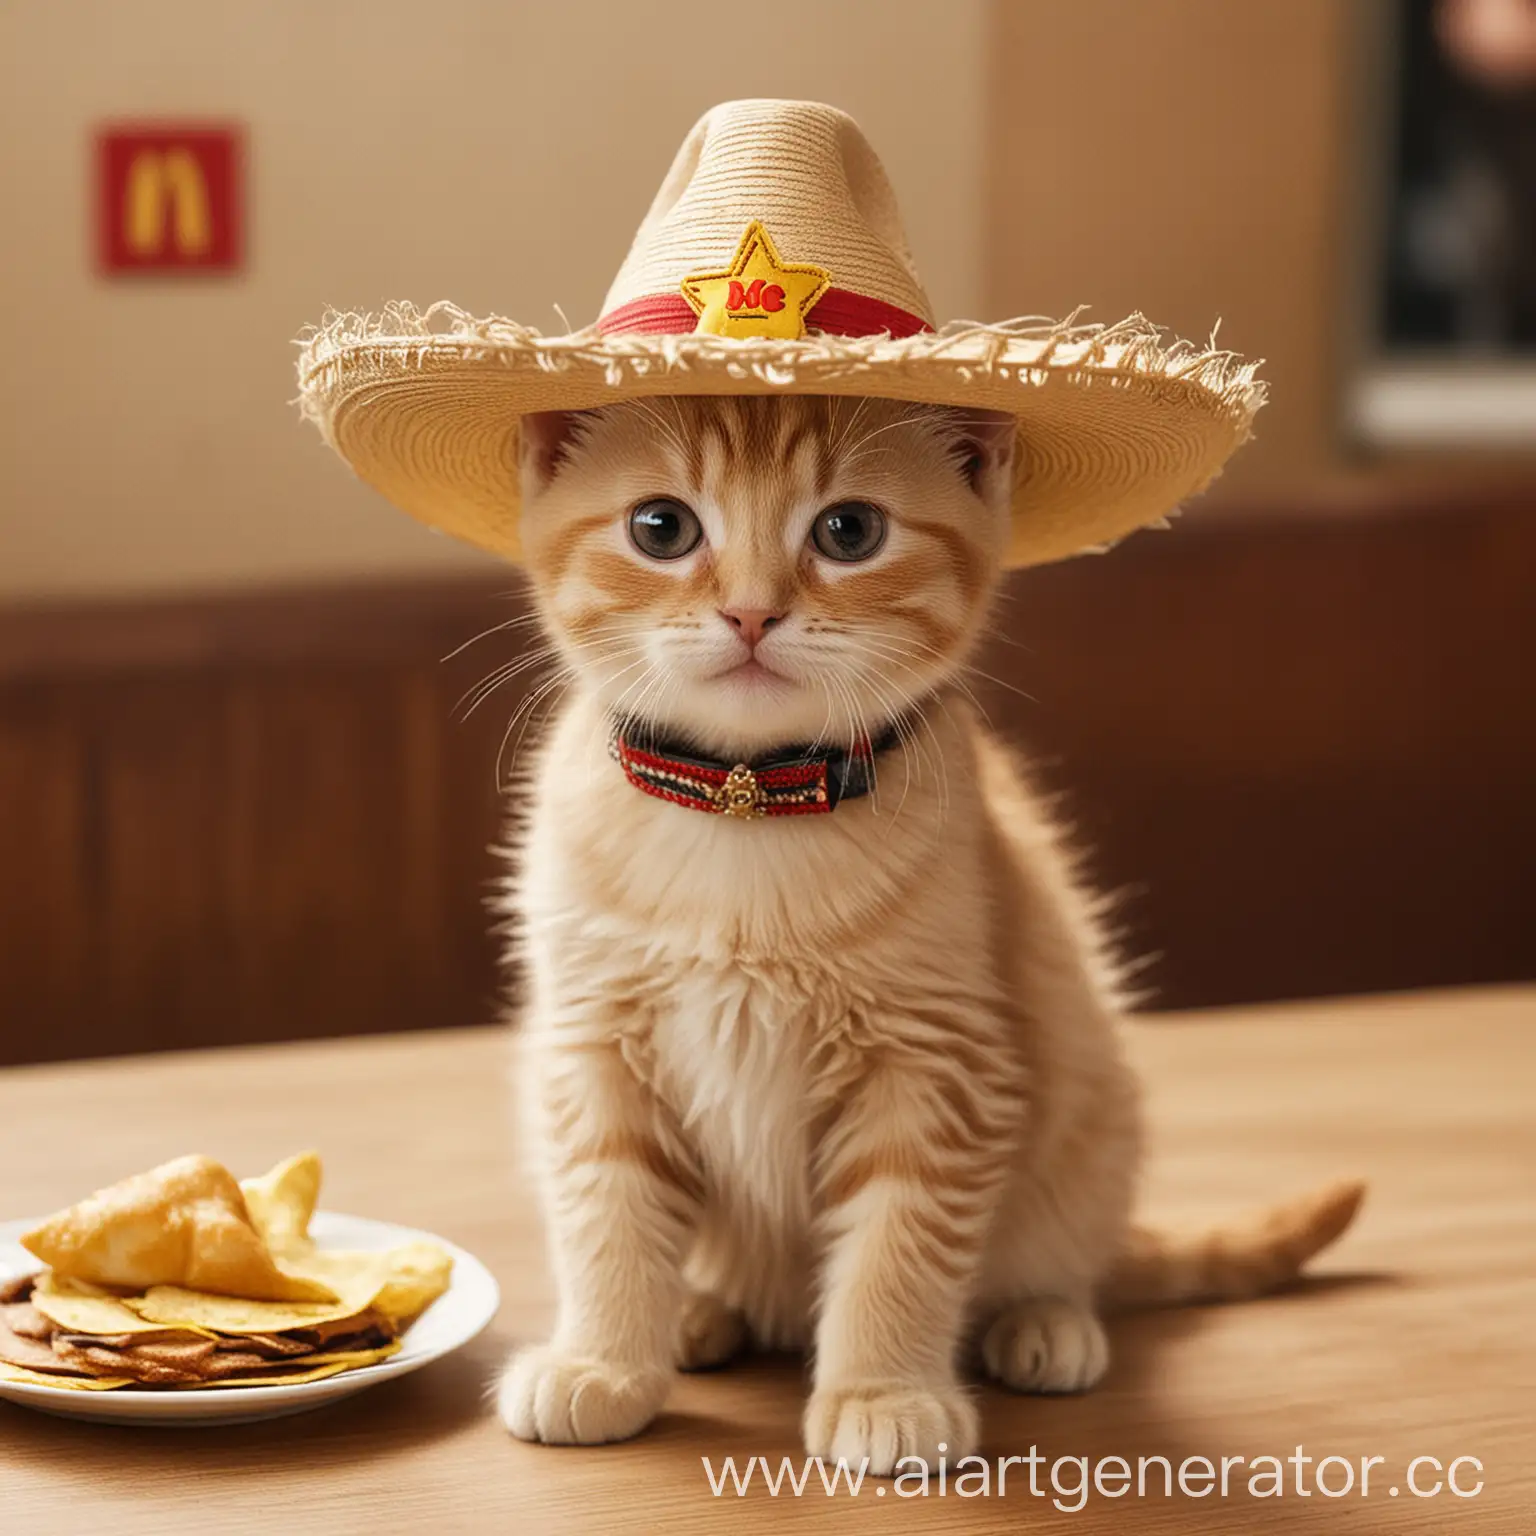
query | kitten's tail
[1248, 1258]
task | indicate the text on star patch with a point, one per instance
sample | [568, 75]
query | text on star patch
[759, 294]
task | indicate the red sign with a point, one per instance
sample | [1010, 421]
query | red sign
[169, 198]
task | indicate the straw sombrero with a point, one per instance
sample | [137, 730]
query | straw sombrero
[773, 262]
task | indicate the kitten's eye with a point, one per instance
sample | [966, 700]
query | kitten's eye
[852, 530]
[664, 529]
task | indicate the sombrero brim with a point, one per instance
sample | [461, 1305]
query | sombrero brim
[1116, 427]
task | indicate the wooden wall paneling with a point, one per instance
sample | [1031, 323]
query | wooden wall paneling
[425, 807]
[1304, 751]
[47, 875]
[324, 880]
[163, 947]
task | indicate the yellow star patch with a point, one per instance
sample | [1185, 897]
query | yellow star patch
[758, 294]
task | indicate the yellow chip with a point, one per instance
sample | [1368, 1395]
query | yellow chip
[78, 1307]
[183, 1223]
[282, 1201]
[68, 1383]
[355, 1283]
[418, 1274]
[51, 1282]
[317, 1368]
[347, 1357]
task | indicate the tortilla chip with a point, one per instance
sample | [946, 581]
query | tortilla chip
[51, 1282]
[69, 1383]
[416, 1275]
[80, 1308]
[133, 1363]
[282, 1201]
[365, 1331]
[28, 1354]
[23, 1318]
[183, 1223]
[348, 1357]
[170, 1364]
[180, 1337]
[285, 1374]
[356, 1284]
[15, 1287]
[270, 1346]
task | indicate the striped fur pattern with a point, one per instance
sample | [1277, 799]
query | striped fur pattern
[850, 1083]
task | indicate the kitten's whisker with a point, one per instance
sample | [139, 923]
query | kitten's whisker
[561, 679]
[892, 651]
[503, 674]
[826, 725]
[909, 737]
[1006, 638]
[640, 688]
[902, 736]
[662, 425]
[616, 709]
[552, 692]
[839, 445]
[912, 416]
[1001, 682]
[472, 698]
[601, 725]
[655, 685]
[859, 728]
[889, 646]
[495, 629]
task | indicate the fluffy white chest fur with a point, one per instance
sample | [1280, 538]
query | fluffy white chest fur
[730, 1049]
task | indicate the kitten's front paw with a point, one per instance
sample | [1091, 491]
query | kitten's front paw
[564, 1399]
[880, 1424]
[1044, 1344]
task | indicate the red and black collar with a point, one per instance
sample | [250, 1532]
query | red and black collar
[794, 781]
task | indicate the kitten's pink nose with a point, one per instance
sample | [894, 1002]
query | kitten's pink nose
[751, 623]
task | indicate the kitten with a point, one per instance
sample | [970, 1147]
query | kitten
[850, 1082]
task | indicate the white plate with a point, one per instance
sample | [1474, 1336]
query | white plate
[452, 1320]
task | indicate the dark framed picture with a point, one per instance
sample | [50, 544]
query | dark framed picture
[1448, 281]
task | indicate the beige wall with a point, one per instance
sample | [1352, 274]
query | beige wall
[1185, 158]
[498, 152]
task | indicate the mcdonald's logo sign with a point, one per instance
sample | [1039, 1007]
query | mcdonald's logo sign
[169, 199]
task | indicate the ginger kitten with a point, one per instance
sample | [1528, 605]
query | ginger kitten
[845, 1082]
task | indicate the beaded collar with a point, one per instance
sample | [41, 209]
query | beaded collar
[793, 781]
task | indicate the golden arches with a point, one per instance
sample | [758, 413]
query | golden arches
[154, 177]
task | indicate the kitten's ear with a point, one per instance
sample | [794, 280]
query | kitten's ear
[987, 446]
[544, 441]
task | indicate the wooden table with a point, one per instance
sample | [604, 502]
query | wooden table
[1415, 1339]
